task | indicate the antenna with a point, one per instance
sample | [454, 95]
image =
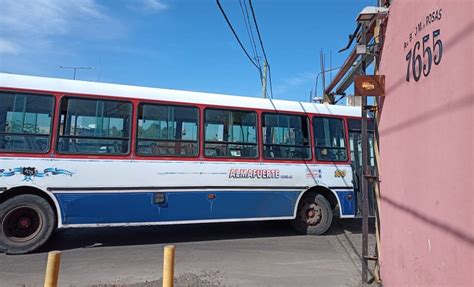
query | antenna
[75, 69]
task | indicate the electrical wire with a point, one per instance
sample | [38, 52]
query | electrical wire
[249, 31]
[258, 30]
[235, 34]
[261, 44]
[338, 100]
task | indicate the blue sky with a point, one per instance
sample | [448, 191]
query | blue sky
[177, 44]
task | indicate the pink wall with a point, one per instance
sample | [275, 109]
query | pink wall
[427, 148]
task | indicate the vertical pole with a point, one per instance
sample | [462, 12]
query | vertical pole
[52, 269]
[168, 266]
[323, 77]
[364, 183]
[264, 80]
[377, 35]
[75, 69]
[330, 66]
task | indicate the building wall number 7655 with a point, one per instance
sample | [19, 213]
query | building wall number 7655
[414, 58]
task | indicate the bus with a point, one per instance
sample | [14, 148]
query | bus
[87, 154]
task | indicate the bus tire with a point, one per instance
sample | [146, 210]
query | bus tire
[27, 222]
[314, 215]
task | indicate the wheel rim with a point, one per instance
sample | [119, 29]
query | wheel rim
[22, 224]
[311, 214]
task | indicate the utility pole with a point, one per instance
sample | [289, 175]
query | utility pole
[364, 183]
[323, 78]
[75, 69]
[264, 80]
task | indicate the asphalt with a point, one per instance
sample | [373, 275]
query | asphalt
[231, 254]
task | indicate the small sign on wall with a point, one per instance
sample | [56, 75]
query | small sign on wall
[369, 85]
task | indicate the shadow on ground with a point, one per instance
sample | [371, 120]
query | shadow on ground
[125, 236]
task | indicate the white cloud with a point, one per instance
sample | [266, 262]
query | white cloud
[8, 47]
[148, 6]
[295, 81]
[155, 5]
[47, 17]
[33, 24]
[42, 34]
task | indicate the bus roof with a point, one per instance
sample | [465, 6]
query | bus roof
[14, 81]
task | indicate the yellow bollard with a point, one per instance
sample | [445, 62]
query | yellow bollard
[168, 266]
[52, 269]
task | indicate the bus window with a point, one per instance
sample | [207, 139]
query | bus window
[329, 139]
[230, 133]
[90, 126]
[167, 130]
[25, 122]
[286, 137]
[355, 141]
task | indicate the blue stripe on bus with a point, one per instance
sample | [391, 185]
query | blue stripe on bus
[129, 207]
[347, 206]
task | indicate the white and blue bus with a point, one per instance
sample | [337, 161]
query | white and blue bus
[87, 154]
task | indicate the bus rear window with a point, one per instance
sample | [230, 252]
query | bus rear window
[230, 133]
[286, 137]
[167, 130]
[329, 139]
[89, 126]
[25, 122]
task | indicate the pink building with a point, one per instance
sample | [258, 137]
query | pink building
[427, 144]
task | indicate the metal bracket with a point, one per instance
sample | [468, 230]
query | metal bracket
[370, 108]
[370, 177]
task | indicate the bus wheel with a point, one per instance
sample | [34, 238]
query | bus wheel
[27, 222]
[314, 215]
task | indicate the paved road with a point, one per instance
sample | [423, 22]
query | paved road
[232, 254]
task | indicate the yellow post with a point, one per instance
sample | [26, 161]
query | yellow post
[52, 269]
[168, 266]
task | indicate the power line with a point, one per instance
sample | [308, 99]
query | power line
[249, 29]
[235, 35]
[248, 26]
[343, 96]
[258, 30]
[261, 44]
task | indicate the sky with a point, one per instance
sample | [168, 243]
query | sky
[176, 44]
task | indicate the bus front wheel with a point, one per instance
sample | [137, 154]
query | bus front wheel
[314, 215]
[27, 222]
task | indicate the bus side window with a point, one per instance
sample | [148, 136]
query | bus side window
[329, 139]
[230, 133]
[25, 122]
[285, 137]
[92, 126]
[355, 139]
[165, 130]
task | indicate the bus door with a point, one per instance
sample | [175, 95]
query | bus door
[355, 144]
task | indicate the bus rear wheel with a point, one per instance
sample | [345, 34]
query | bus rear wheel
[314, 215]
[27, 222]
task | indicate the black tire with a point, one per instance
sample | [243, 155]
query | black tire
[314, 215]
[26, 222]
